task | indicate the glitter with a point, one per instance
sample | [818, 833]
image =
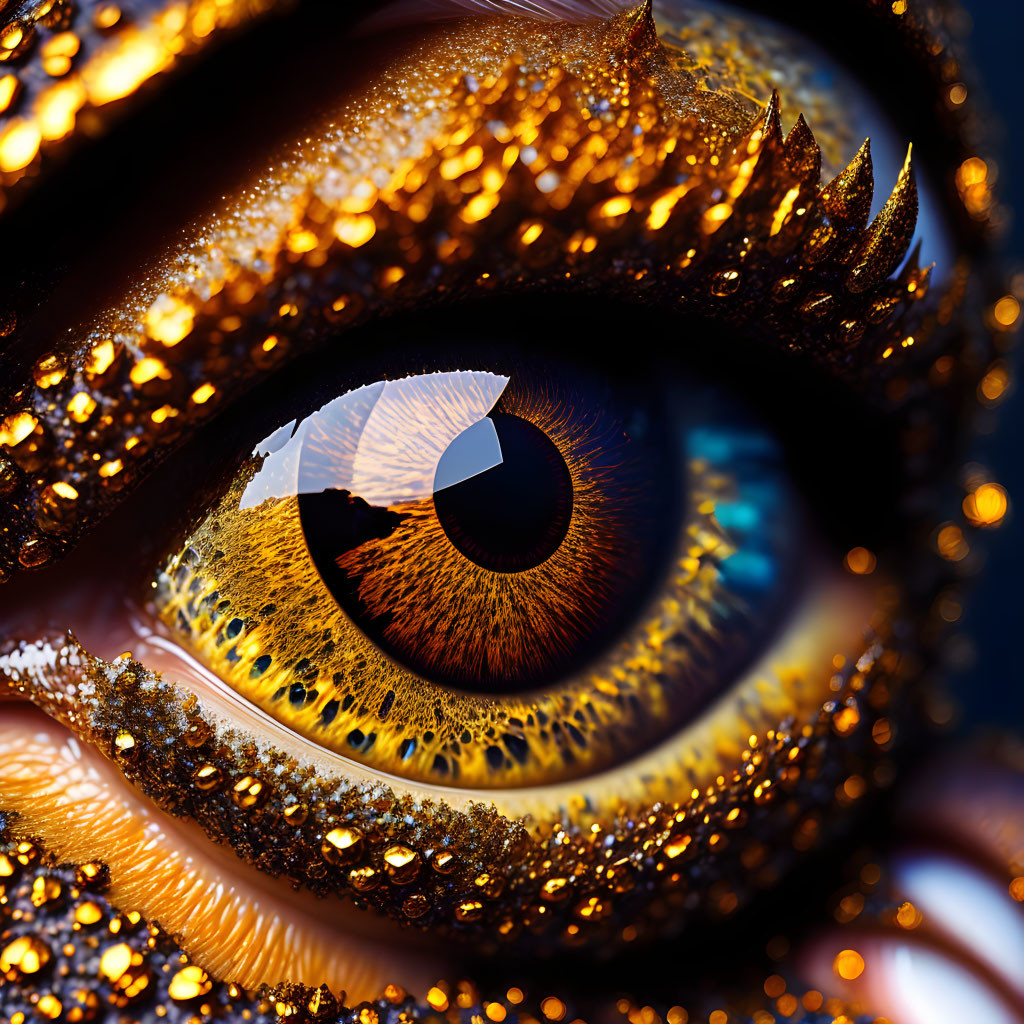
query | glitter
[848, 965]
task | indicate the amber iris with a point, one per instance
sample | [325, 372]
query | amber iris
[512, 515]
[487, 531]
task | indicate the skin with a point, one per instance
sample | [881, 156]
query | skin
[164, 303]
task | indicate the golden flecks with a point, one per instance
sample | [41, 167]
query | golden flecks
[986, 505]
[106, 16]
[908, 916]
[10, 86]
[553, 1008]
[860, 561]
[248, 791]
[848, 965]
[81, 406]
[58, 51]
[555, 889]
[45, 890]
[1006, 312]
[49, 1006]
[88, 913]
[974, 187]
[16, 427]
[444, 862]
[203, 394]
[437, 999]
[402, 863]
[27, 954]
[468, 910]
[994, 384]
[49, 370]
[101, 358]
[676, 846]
[355, 230]
[111, 468]
[115, 961]
[124, 744]
[342, 845]
[19, 143]
[148, 369]
[169, 321]
[951, 543]
[189, 983]
[296, 814]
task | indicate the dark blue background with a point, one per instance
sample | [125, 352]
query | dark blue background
[992, 689]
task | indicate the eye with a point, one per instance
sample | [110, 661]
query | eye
[553, 594]
[504, 576]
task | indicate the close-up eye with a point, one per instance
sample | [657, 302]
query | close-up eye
[489, 489]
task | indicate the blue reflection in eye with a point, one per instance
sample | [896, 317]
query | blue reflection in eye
[760, 514]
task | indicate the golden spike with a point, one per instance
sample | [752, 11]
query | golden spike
[847, 198]
[802, 153]
[771, 125]
[846, 203]
[889, 235]
[641, 30]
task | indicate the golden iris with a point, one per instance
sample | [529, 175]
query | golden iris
[503, 576]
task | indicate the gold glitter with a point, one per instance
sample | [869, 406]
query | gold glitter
[848, 965]
[49, 1006]
[45, 890]
[88, 913]
[860, 561]
[16, 427]
[189, 983]
[342, 845]
[401, 863]
[986, 506]
[25, 955]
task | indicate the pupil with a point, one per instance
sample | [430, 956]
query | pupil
[503, 494]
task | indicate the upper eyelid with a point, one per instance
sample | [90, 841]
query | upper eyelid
[112, 377]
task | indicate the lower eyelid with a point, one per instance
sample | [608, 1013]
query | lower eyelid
[233, 921]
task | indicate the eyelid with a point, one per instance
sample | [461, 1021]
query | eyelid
[163, 739]
[169, 871]
[153, 369]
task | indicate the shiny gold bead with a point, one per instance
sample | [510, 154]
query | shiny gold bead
[469, 910]
[554, 890]
[296, 814]
[25, 955]
[342, 845]
[248, 792]
[416, 906]
[444, 862]
[49, 1007]
[207, 777]
[189, 983]
[88, 913]
[124, 745]
[45, 890]
[402, 863]
[364, 879]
